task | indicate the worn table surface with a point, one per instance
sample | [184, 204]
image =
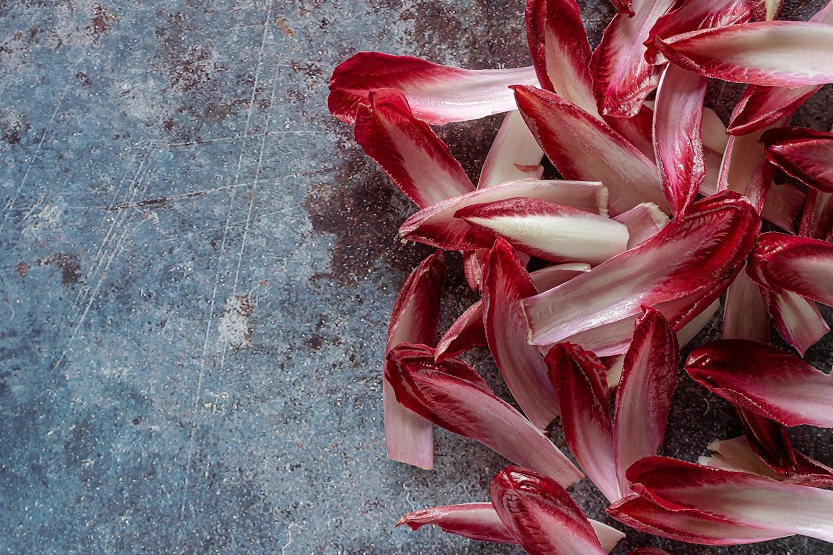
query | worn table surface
[197, 269]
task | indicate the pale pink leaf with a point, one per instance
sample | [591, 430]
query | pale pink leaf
[817, 217]
[513, 153]
[549, 231]
[797, 319]
[745, 315]
[643, 222]
[437, 226]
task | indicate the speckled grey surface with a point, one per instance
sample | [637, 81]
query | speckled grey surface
[197, 269]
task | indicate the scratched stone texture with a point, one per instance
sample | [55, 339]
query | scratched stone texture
[197, 269]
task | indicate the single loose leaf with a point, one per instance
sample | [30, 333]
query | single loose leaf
[764, 380]
[437, 94]
[738, 497]
[643, 398]
[505, 283]
[623, 78]
[582, 147]
[798, 264]
[409, 438]
[416, 160]
[454, 396]
[690, 526]
[550, 231]
[480, 521]
[773, 53]
[437, 226]
[805, 154]
[513, 154]
[689, 261]
[560, 51]
[817, 217]
[678, 119]
[541, 514]
[584, 399]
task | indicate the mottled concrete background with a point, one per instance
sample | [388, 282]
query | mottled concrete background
[197, 269]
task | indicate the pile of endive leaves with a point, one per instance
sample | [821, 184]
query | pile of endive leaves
[659, 214]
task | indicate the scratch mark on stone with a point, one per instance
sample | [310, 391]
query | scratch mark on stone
[213, 302]
[13, 200]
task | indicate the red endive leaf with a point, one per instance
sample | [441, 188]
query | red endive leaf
[764, 380]
[437, 226]
[797, 319]
[688, 259]
[584, 398]
[541, 514]
[678, 118]
[745, 315]
[643, 398]
[479, 521]
[465, 333]
[817, 217]
[560, 51]
[505, 283]
[475, 521]
[549, 231]
[643, 222]
[739, 497]
[623, 78]
[638, 130]
[689, 331]
[798, 264]
[769, 440]
[454, 396]
[745, 168]
[512, 154]
[409, 438]
[766, 10]
[582, 147]
[773, 53]
[416, 160]
[760, 106]
[693, 15]
[805, 154]
[684, 525]
[437, 94]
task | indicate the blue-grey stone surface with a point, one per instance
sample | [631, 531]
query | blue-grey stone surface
[197, 269]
